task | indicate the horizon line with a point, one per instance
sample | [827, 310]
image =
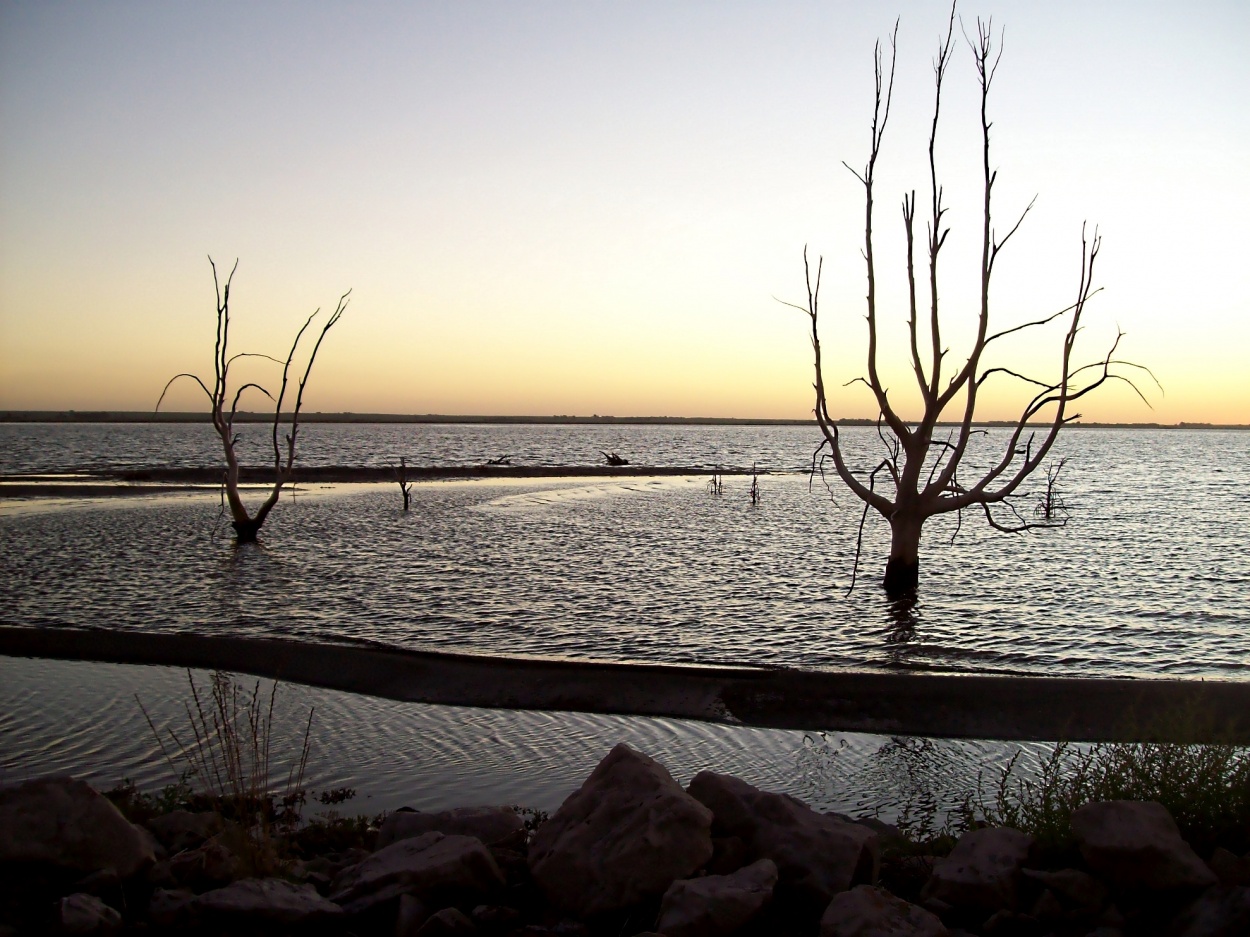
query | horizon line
[349, 416]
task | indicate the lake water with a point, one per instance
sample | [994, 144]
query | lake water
[1148, 579]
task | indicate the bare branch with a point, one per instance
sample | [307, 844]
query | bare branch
[207, 392]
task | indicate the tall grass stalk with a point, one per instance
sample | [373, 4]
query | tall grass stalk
[228, 756]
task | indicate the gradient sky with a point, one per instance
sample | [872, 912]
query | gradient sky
[568, 207]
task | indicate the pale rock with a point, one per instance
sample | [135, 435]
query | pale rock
[1228, 868]
[817, 855]
[1221, 911]
[717, 905]
[982, 871]
[1078, 890]
[1135, 844]
[1047, 906]
[429, 864]
[267, 899]
[625, 835]
[184, 829]
[494, 826]
[411, 914]
[495, 917]
[869, 911]
[207, 865]
[81, 913]
[448, 922]
[167, 906]
[68, 824]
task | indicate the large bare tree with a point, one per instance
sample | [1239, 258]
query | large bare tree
[247, 525]
[918, 477]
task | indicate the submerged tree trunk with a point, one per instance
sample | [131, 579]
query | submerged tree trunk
[246, 531]
[902, 569]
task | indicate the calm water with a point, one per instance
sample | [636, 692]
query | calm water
[1148, 579]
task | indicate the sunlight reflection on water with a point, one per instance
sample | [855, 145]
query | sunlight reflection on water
[1148, 579]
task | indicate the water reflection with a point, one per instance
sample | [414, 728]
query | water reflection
[902, 620]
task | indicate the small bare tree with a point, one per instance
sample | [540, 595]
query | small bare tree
[247, 526]
[919, 470]
[401, 478]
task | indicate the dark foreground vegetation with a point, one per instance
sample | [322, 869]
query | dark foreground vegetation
[1113, 839]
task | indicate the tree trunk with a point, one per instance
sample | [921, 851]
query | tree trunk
[246, 531]
[902, 570]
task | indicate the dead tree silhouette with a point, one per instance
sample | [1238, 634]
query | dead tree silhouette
[246, 525]
[918, 477]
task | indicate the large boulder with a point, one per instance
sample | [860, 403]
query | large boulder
[1075, 890]
[717, 905]
[429, 865]
[267, 899]
[1135, 844]
[1222, 911]
[68, 824]
[81, 914]
[868, 911]
[494, 826]
[817, 855]
[624, 836]
[982, 871]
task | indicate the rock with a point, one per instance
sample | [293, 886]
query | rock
[494, 826]
[1228, 868]
[446, 923]
[1077, 890]
[183, 829]
[729, 853]
[267, 899]
[412, 913]
[206, 866]
[1010, 923]
[99, 883]
[625, 835]
[1047, 907]
[81, 913]
[1221, 911]
[495, 917]
[717, 905]
[168, 907]
[68, 824]
[431, 864]
[868, 911]
[982, 871]
[817, 855]
[1135, 844]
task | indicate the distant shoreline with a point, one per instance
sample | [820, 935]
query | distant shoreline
[147, 416]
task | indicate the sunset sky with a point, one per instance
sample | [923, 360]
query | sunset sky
[577, 208]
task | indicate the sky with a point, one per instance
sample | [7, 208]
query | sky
[595, 208]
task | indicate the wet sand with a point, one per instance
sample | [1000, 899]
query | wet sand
[936, 705]
[137, 482]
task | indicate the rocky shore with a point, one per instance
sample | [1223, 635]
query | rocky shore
[629, 853]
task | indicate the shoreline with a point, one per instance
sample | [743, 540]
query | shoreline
[1008, 708]
[248, 416]
[140, 482]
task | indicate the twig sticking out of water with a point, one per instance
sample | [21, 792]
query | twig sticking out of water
[401, 476]
[716, 485]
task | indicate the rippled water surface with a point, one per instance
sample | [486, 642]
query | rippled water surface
[1149, 578]
[84, 719]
